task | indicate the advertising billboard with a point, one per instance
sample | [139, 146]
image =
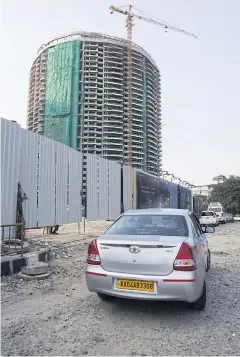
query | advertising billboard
[185, 198]
[152, 192]
[173, 195]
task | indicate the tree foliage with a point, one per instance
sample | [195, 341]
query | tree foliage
[227, 193]
[220, 178]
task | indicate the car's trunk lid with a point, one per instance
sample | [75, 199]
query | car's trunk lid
[156, 254]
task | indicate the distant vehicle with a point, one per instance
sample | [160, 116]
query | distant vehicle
[229, 217]
[151, 254]
[219, 210]
[209, 218]
[236, 218]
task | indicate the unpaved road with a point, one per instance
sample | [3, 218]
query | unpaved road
[59, 316]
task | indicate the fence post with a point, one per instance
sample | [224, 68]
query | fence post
[132, 174]
[22, 235]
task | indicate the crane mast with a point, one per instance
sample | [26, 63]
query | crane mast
[129, 24]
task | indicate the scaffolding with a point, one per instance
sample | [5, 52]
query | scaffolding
[62, 91]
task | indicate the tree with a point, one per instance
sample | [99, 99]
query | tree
[227, 193]
[219, 178]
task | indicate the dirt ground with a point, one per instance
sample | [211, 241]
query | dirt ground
[58, 316]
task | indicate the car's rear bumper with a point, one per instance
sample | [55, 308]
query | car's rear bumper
[208, 222]
[177, 286]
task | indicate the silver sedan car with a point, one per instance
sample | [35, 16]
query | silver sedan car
[152, 254]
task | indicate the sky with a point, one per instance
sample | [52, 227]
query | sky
[200, 78]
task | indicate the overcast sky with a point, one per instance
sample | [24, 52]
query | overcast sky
[200, 77]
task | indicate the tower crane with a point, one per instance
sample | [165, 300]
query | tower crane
[129, 25]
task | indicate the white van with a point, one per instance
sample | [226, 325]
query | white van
[219, 210]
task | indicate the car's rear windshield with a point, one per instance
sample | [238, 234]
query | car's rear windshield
[204, 214]
[215, 209]
[163, 225]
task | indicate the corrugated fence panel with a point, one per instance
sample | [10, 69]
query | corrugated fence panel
[46, 186]
[114, 199]
[127, 188]
[75, 186]
[62, 173]
[10, 162]
[103, 189]
[92, 188]
[135, 187]
[28, 176]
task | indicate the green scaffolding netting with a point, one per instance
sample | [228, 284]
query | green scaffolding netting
[62, 92]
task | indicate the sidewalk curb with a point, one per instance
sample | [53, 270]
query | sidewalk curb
[13, 264]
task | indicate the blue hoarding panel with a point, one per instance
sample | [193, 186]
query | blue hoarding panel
[173, 195]
[152, 192]
[185, 198]
[164, 195]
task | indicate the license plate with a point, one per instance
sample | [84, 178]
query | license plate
[135, 285]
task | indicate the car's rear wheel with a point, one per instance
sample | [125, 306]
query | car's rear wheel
[208, 262]
[201, 302]
[103, 297]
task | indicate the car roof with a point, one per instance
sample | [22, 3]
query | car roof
[156, 211]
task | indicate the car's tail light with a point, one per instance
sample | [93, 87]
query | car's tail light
[93, 253]
[184, 260]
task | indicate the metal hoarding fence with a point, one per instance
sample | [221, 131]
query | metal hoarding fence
[103, 195]
[185, 198]
[174, 195]
[49, 173]
[152, 192]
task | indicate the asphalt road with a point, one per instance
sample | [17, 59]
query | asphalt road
[59, 316]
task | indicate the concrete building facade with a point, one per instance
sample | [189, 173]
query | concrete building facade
[204, 190]
[78, 96]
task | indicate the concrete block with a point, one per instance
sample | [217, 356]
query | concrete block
[5, 268]
[31, 258]
[35, 269]
[11, 264]
[33, 277]
[44, 255]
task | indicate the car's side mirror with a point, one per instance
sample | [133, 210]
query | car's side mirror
[208, 229]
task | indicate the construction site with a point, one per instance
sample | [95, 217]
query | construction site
[78, 95]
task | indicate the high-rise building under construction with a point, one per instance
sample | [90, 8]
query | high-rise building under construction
[78, 95]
